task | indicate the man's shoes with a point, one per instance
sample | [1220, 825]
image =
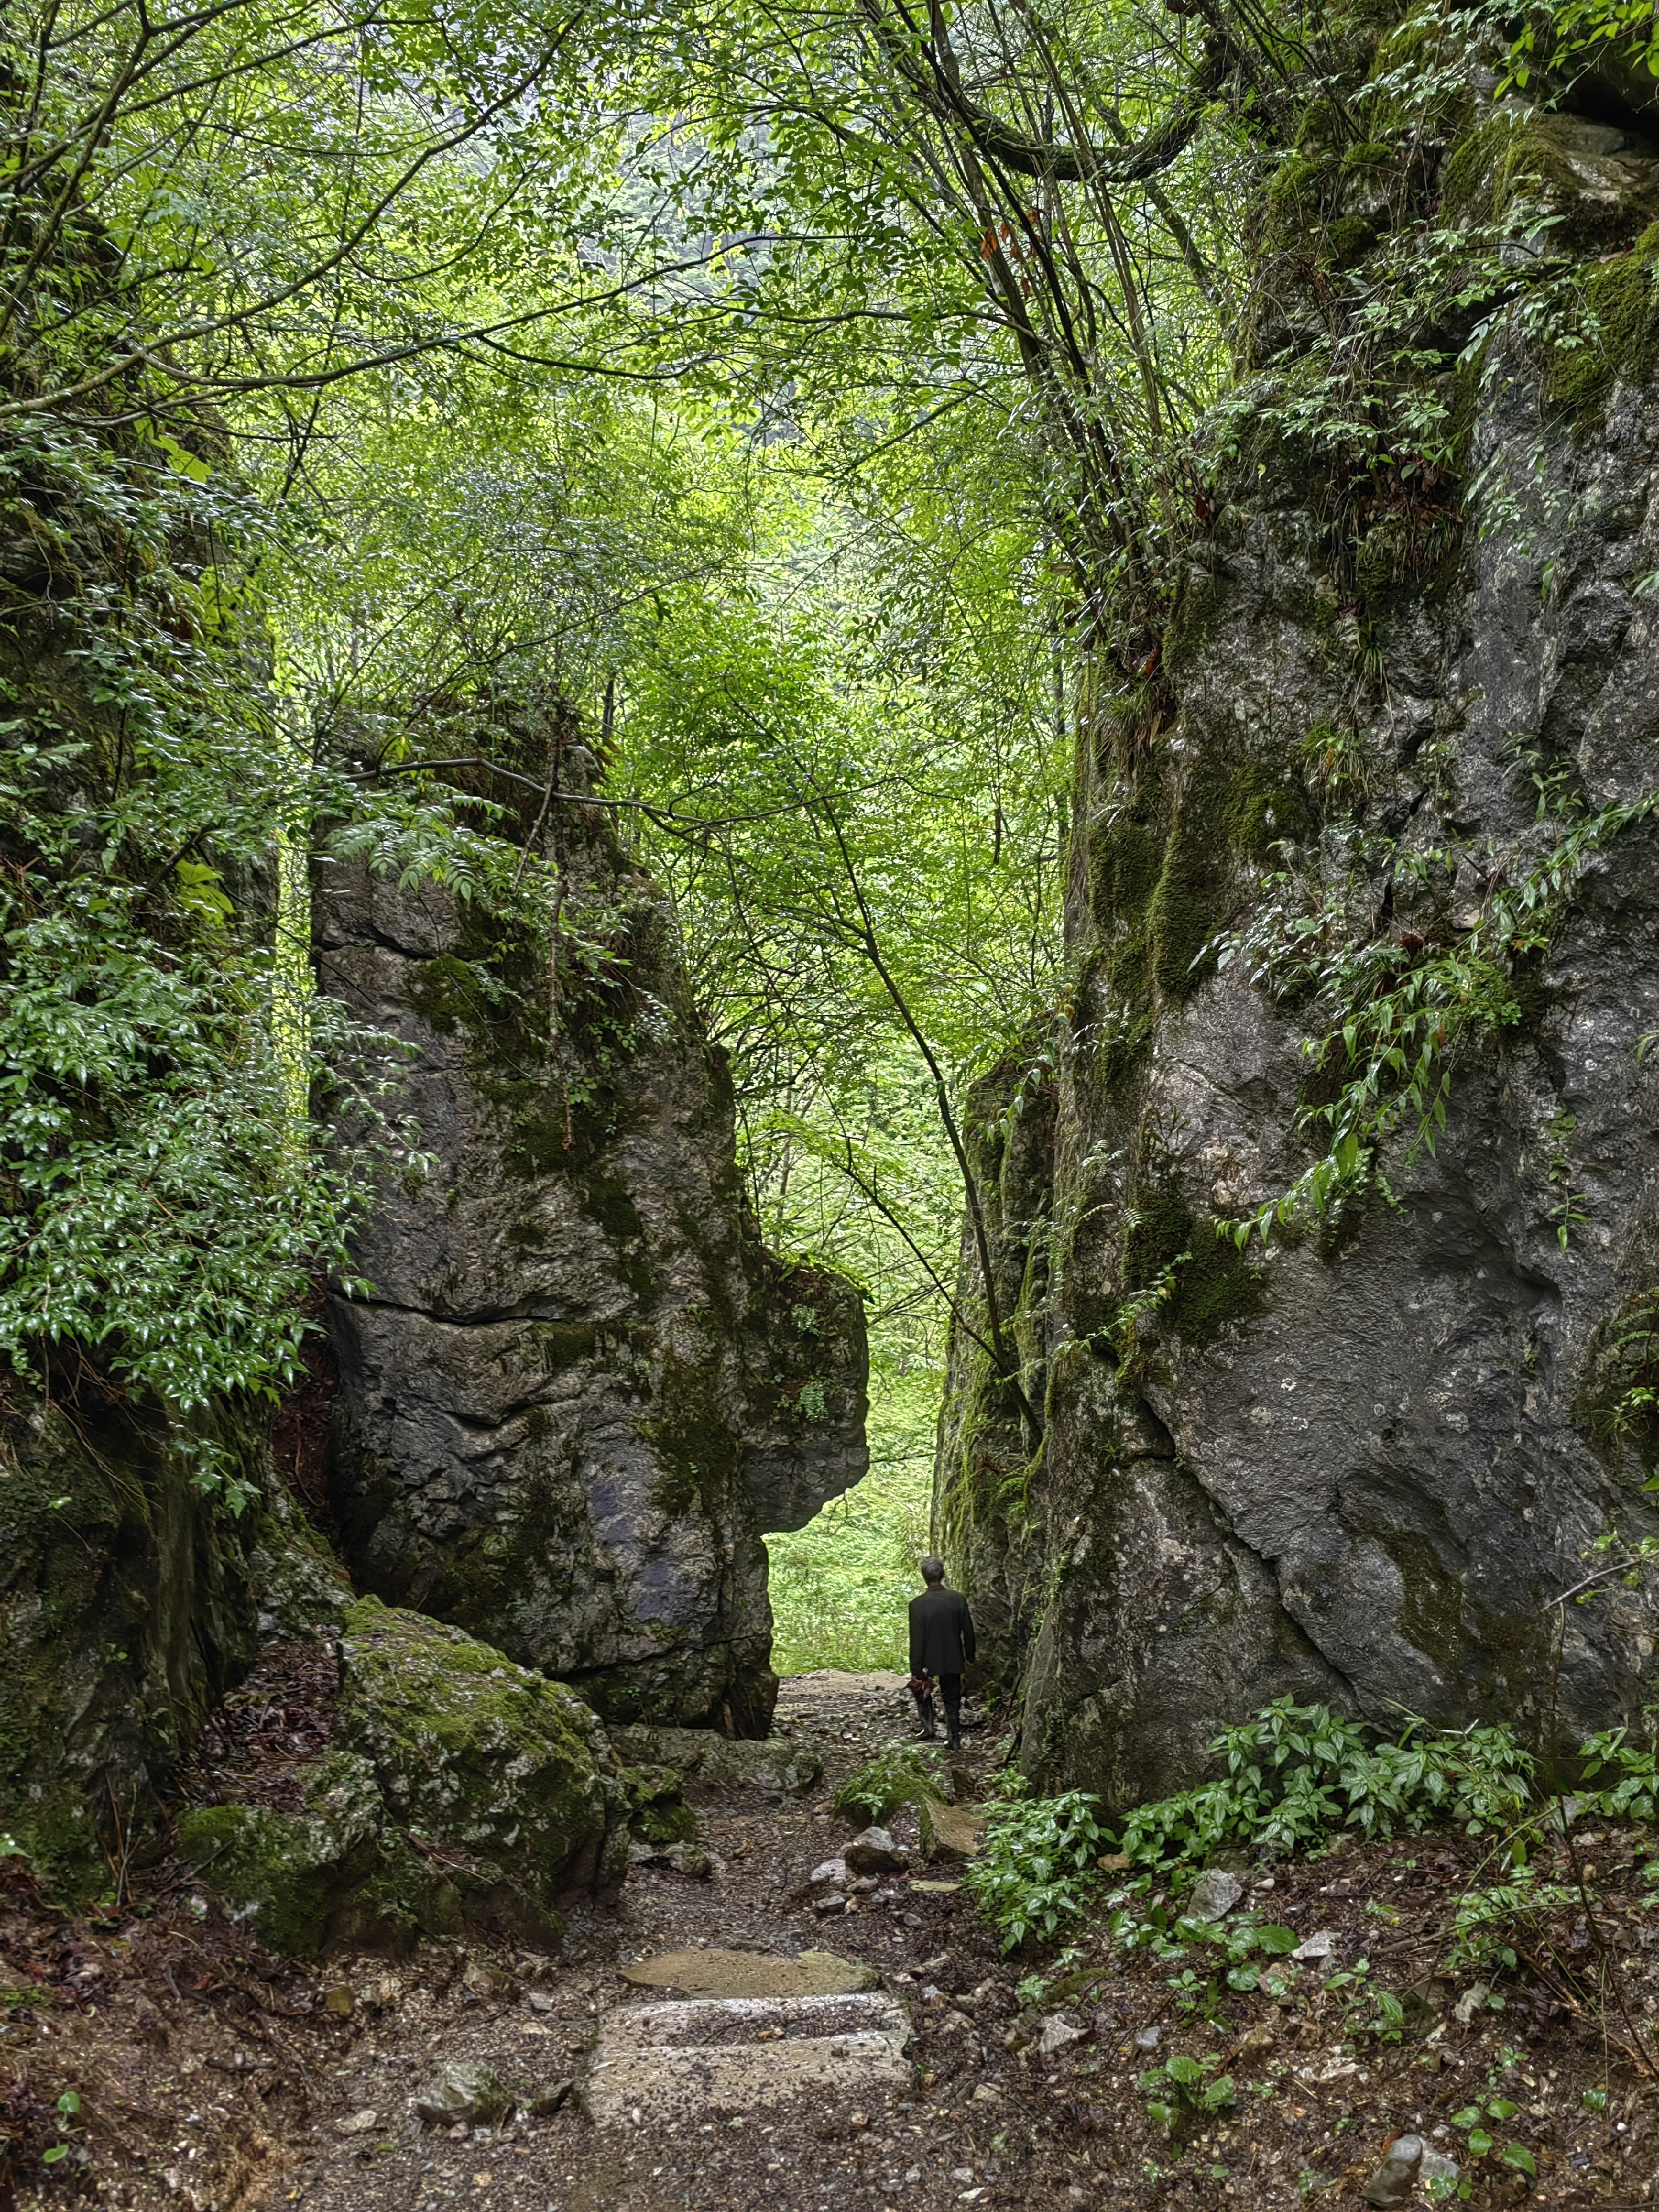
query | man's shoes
[952, 1732]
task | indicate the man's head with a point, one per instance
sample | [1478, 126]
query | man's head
[932, 1572]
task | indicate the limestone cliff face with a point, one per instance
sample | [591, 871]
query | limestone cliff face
[581, 1390]
[1360, 1462]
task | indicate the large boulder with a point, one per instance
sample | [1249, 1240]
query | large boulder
[457, 1789]
[581, 1390]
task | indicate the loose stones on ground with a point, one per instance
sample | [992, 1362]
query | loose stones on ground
[952, 1831]
[874, 1851]
[719, 1762]
[463, 2090]
[1407, 2163]
[1214, 1895]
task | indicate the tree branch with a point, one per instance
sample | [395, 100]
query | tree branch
[938, 81]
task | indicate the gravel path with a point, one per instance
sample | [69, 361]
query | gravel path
[212, 2078]
[961, 2131]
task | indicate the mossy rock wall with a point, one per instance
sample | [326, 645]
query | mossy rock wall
[583, 1391]
[129, 1601]
[1357, 1463]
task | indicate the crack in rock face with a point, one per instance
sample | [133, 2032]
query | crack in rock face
[581, 1389]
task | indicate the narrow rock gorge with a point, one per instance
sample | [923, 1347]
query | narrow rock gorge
[1375, 818]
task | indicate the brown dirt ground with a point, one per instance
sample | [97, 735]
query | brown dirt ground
[213, 2077]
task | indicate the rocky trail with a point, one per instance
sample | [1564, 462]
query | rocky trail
[745, 2038]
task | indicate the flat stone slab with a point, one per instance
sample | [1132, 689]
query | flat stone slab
[673, 2061]
[714, 1973]
[952, 1831]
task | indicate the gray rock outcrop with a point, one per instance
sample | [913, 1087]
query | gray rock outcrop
[580, 1390]
[1358, 1462]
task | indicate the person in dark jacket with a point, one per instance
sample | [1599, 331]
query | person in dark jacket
[942, 1644]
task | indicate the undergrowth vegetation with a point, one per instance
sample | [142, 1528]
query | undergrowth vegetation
[1297, 1777]
[903, 1774]
[1449, 1905]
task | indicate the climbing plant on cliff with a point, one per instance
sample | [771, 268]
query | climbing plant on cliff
[163, 1207]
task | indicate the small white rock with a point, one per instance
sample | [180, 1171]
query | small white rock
[1214, 1895]
[1055, 2033]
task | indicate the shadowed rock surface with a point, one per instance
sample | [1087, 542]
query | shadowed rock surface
[581, 1389]
[129, 1599]
[1359, 1465]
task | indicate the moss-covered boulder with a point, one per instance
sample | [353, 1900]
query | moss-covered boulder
[332, 1869]
[458, 1789]
[469, 1747]
[657, 1810]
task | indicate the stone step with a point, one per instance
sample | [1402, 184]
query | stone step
[713, 1971]
[680, 2061]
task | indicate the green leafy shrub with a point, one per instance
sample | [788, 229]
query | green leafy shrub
[1474, 2122]
[1035, 1874]
[901, 1775]
[1209, 1957]
[1621, 1782]
[1493, 1921]
[1295, 1773]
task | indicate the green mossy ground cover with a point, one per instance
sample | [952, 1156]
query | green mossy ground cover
[1620, 339]
[658, 1811]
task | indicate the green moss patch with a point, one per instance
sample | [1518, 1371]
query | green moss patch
[1295, 200]
[465, 1744]
[555, 1066]
[1621, 338]
[696, 1442]
[1213, 1285]
[657, 1810]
